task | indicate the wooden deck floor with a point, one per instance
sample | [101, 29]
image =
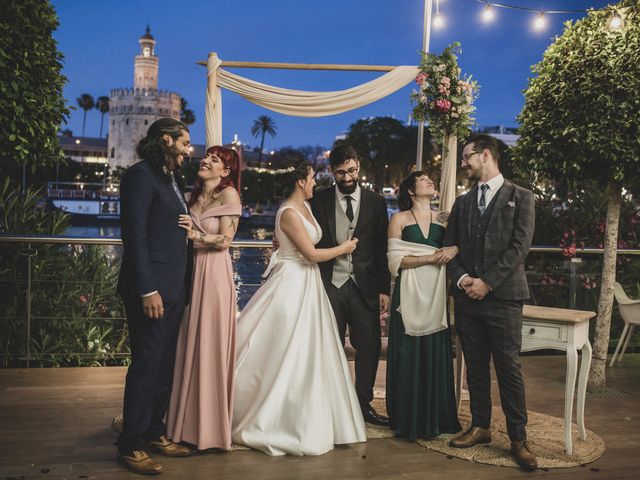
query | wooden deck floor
[54, 424]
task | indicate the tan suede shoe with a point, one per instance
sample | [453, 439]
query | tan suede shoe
[139, 462]
[524, 456]
[472, 437]
[166, 447]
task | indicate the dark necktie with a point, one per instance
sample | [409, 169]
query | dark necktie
[178, 193]
[349, 212]
[482, 204]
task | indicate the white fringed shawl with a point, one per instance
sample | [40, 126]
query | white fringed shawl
[423, 296]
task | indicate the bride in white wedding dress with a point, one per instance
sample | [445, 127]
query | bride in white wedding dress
[294, 393]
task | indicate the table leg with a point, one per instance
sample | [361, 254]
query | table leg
[570, 384]
[585, 365]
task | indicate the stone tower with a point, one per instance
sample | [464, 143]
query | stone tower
[132, 110]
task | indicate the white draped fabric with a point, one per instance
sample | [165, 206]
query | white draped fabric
[448, 184]
[294, 102]
[423, 290]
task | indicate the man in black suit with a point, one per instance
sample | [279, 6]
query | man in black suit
[357, 284]
[492, 225]
[153, 286]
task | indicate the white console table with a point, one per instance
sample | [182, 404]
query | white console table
[557, 329]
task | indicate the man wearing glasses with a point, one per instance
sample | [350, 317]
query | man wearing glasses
[492, 225]
[357, 284]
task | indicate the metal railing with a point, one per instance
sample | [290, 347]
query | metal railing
[31, 244]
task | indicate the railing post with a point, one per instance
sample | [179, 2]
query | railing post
[573, 268]
[29, 253]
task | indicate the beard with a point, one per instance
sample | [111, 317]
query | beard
[474, 176]
[173, 155]
[346, 189]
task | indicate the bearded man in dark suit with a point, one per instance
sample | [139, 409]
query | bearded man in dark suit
[153, 285]
[492, 225]
[357, 284]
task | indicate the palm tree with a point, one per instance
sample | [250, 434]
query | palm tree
[186, 114]
[102, 104]
[263, 125]
[86, 103]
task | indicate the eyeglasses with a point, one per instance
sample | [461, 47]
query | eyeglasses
[467, 157]
[352, 172]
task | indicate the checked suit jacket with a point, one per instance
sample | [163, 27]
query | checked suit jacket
[506, 242]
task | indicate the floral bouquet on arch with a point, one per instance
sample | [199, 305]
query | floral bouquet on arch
[444, 99]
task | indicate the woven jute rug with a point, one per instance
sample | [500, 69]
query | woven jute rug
[545, 434]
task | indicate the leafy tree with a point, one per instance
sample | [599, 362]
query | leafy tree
[262, 126]
[86, 103]
[386, 148]
[186, 114]
[580, 121]
[288, 156]
[32, 107]
[312, 152]
[102, 105]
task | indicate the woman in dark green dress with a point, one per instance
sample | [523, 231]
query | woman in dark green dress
[420, 386]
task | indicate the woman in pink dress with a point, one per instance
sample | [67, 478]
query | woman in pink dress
[202, 396]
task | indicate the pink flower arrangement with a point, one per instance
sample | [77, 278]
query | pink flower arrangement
[444, 98]
[442, 105]
[421, 78]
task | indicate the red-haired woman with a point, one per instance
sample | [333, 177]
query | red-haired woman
[201, 400]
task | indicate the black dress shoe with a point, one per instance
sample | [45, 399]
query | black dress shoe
[373, 417]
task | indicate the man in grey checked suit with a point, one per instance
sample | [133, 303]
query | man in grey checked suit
[492, 225]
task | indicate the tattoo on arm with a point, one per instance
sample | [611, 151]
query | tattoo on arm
[233, 222]
[443, 217]
[219, 241]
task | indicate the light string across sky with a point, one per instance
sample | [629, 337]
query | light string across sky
[539, 21]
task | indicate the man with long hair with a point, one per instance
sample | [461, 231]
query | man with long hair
[153, 285]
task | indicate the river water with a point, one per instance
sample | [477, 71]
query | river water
[248, 263]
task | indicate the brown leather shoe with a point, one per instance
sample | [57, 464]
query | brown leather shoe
[472, 437]
[166, 447]
[139, 462]
[524, 456]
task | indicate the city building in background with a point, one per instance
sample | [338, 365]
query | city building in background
[132, 110]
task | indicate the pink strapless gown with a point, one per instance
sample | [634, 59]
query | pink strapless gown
[202, 396]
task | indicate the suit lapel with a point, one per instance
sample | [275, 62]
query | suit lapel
[471, 202]
[174, 195]
[500, 200]
[331, 213]
[363, 213]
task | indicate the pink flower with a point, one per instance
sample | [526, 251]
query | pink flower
[84, 298]
[421, 78]
[443, 105]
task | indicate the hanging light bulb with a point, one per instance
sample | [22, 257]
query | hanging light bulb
[616, 22]
[438, 20]
[488, 14]
[540, 22]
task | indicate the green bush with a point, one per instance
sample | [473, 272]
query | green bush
[76, 318]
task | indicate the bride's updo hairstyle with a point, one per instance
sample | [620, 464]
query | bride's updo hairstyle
[407, 189]
[299, 171]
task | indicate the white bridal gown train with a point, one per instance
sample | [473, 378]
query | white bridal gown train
[294, 393]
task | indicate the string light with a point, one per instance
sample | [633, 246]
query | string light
[540, 22]
[616, 22]
[488, 14]
[438, 20]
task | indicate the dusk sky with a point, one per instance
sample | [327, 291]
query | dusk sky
[100, 39]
